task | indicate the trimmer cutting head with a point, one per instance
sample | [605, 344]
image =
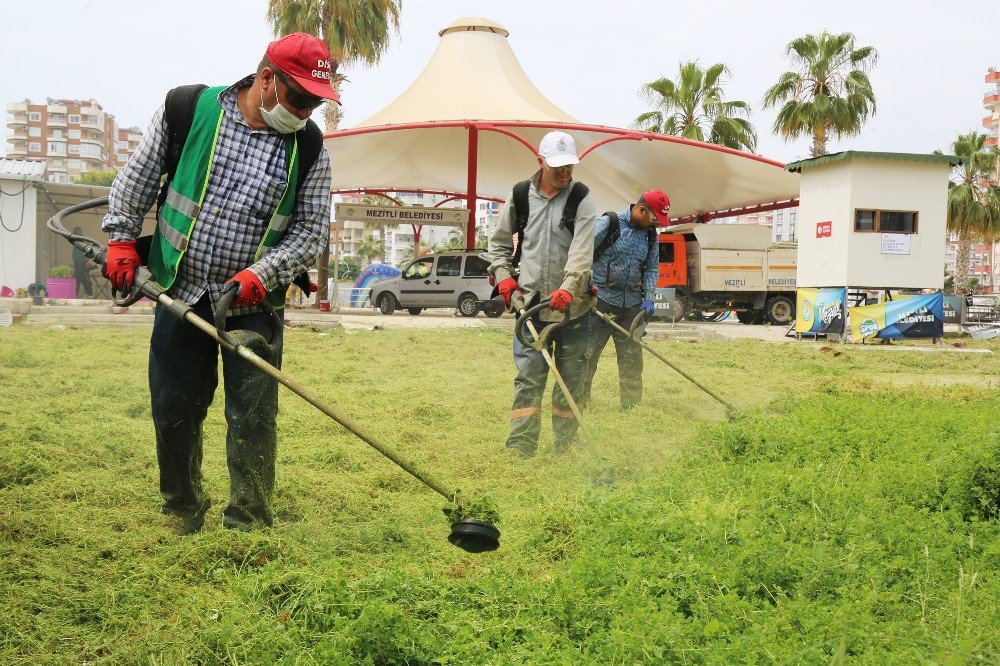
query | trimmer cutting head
[474, 536]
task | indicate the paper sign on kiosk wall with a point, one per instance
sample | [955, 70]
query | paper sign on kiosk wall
[896, 243]
[824, 229]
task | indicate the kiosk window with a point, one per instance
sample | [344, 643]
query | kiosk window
[666, 253]
[897, 222]
[864, 220]
[449, 266]
[886, 221]
[476, 266]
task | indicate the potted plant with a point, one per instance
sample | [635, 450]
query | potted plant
[61, 283]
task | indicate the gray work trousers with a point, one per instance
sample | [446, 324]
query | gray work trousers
[568, 346]
[629, 354]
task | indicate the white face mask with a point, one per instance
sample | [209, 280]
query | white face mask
[279, 118]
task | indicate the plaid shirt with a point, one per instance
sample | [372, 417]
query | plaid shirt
[618, 272]
[248, 176]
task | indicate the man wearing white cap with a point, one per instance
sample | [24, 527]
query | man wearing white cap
[553, 217]
[246, 200]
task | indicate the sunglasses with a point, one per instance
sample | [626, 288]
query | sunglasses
[297, 99]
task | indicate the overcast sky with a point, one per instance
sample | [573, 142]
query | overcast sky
[589, 57]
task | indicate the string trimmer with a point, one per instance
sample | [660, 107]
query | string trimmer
[468, 532]
[538, 342]
[635, 334]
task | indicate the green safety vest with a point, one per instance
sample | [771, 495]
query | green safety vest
[186, 193]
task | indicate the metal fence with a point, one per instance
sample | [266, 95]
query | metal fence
[981, 309]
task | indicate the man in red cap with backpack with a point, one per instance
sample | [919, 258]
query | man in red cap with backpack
[626, 268]
[245, 199]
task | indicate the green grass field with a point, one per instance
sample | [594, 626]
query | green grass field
[851, 516]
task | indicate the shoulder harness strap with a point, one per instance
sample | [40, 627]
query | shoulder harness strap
[310, 140]
[652, 238]
[614, 233]
[576, 195]
[178, 113]
[519, 217]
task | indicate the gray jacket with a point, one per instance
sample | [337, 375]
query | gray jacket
[552, 257]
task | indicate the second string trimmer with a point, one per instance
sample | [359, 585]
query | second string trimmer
[605, 476]
[634, 334]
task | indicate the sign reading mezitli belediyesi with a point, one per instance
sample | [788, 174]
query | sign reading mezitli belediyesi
[393, 215]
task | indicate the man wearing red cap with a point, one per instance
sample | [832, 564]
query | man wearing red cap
[626, 268]
[245, 200]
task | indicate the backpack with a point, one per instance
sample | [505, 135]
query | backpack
[519, 214]
[178, 114]
[615, 232]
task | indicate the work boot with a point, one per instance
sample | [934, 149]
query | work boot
[561, 446]
[521, 451]
[185, 523]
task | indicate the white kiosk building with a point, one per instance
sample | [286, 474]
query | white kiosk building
[870, 221]
[873, 220]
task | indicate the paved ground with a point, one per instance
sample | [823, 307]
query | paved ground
[92, 312]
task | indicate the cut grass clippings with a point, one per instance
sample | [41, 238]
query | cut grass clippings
[847, 516]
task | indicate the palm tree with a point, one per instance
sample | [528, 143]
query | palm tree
[424, 250]
[694, 108]
[973, 201]
[827, 93]
[375, 225]
[370, 248]
[355, 31]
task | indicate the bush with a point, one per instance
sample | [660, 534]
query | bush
[975, 488]
[61, 271]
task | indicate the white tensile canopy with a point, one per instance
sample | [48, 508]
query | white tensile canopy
[469, 124]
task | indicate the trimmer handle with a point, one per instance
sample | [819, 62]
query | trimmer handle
[547, 330]
[633, 329]
[244, 338]
[142, 285]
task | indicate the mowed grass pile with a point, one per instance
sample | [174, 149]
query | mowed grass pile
[853, 513]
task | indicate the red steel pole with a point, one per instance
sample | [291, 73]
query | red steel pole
[470, 191]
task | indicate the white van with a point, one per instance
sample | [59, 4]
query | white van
[455, 279]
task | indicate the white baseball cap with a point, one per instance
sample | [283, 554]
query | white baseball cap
[558, 149]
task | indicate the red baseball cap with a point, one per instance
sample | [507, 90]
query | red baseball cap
[659, 203]
[306, 59]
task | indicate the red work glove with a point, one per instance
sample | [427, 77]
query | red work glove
[560, 300]
[506, 288]
[120, 264]
[251, 288]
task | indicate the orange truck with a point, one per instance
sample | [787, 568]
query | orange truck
[718, 268]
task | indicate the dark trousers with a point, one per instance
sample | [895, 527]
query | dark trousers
[183, 376]
[629, 354]
[568, 346]
[83, 280]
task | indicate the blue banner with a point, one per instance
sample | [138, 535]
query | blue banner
[920, 316]
[820, 310]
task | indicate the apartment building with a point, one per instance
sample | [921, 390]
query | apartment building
[991, 101]
[71, 136]
[782, 223]
[984, 262]
[488, 216]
